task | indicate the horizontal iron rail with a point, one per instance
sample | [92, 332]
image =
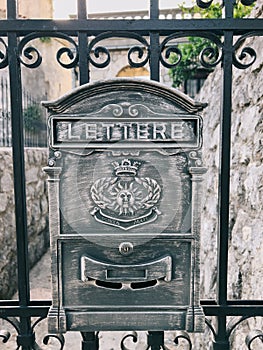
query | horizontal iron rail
[10, 308]
[143, 27]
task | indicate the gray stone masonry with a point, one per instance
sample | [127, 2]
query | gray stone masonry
[37, 211]
[246, 187]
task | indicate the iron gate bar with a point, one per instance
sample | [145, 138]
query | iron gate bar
[41, 307]
[142, 27]
[19, 180]
[154, 43]
[18, 163]
[221, 339]
[83, 44]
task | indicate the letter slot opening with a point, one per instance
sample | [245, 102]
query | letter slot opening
[126, 274]
[153, 270]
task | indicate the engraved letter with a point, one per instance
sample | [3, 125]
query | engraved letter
[125, 128]
[62, 131]
[91, 131]
[176, 130]
[142, 131]
[108, 128]
[70, 136]
[159, 128]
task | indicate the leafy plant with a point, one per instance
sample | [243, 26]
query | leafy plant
[189, 64]
[45, 39]
[191, 50]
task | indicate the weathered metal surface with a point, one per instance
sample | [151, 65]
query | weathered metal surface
[124, 208]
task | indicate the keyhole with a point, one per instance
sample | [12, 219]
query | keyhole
[126, 248]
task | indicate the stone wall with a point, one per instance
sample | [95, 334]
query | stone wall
[246, 191]
[37, 212]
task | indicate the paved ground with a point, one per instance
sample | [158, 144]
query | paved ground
[40, 289]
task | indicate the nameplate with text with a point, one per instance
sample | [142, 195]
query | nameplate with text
[163, 132]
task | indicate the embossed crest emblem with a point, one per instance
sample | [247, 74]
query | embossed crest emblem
[125, 200]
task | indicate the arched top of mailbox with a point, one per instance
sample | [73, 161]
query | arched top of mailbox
[120, 91]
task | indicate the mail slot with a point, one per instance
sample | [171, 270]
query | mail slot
[124, 180]
[158, 269]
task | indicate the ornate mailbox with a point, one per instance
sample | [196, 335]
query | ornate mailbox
[124, 179]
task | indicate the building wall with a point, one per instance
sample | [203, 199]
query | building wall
[246, 191]
[31, 8]
[35, 9]
[37, 212]
[119, 61]
[49, 80]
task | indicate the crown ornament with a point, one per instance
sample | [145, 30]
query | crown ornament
[127, 167]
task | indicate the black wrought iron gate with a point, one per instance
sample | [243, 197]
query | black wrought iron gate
[154, 37]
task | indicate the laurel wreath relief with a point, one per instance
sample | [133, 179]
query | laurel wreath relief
[154, 192]
[100, 186]
[97, 190]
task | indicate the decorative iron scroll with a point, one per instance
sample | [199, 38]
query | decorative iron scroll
[59, 337]
[209, 57]
[204, 4]
[101, 50]
[248, 2]
[29, 339]
[185, 336]
[246, 52]
[232, 327]
[154, 338]
[33, 55]
[133, 336]
[3, 54]
[253, 335]
[5, 335]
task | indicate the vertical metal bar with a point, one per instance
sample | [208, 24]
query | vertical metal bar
[7, 118]
[224, 185]
[90, 341]
[18, 160]
[154, 9]
[226, 111]
[222, 342]
[4, 111]
[83, 43]
[224, 171]
[25, 338]
[228, 9]
[155, 340]
[154, 44]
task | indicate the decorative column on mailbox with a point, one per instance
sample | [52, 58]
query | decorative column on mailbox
[124, 180]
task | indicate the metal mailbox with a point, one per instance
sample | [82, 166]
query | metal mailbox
[124, 180]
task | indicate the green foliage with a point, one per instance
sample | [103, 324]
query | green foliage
[215, 11]
[45, 39]
[191, 50]
[32, 118]
[189, 64]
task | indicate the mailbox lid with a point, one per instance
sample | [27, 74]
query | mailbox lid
[157, 272]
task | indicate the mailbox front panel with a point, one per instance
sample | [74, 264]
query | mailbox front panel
[160, 267]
